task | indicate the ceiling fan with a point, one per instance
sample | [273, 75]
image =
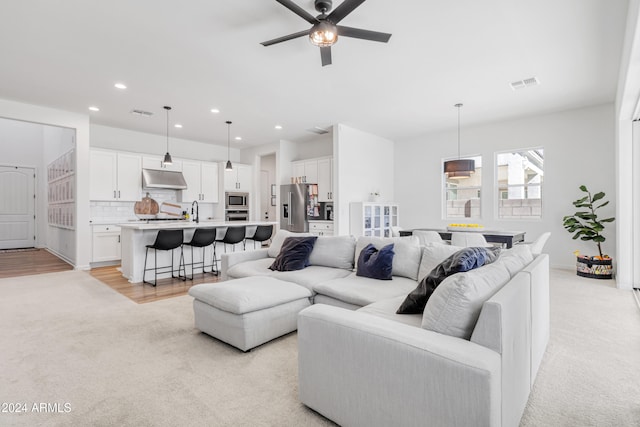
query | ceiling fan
[325, 30]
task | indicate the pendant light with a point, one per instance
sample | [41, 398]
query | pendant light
[167, 157]
[229, 166]
[461, 168]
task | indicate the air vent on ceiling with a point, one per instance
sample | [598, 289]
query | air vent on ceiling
[521, 84]
[141, 113]
[317, 130]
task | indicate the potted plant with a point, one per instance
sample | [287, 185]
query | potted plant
[588, 227]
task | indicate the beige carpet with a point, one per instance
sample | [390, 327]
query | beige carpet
[67, 338]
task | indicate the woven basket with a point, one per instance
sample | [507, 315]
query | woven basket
[595, 268]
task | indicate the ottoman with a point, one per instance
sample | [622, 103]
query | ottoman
[250, 311]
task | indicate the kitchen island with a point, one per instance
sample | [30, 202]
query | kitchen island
[136, 235]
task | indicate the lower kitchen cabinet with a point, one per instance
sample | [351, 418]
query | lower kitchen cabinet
[106, 243]
[321, 228]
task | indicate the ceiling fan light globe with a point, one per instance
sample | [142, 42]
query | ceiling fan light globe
[323, 34]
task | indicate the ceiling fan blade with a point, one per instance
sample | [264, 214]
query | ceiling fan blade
[299, 11]
[358, 33]
[340, 12]
[325, 55]
[285, 38]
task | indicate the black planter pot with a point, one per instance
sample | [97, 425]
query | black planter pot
[595, 268]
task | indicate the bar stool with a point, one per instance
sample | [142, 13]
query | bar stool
[233, 236]
[166, 240]
[262, 234]
[202, 237]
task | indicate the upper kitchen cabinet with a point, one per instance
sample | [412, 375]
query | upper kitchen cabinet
[305, 171]
[202, 182]
[239, 179]
[325, 179]
[157, 163]
[115, 176]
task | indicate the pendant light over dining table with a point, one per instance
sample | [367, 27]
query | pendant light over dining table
[460, 168]
[229, 166]
[167, 157]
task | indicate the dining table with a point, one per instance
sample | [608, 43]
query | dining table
[504, 238]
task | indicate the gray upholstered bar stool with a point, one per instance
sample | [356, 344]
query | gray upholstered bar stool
[166, 240]
[202, 237]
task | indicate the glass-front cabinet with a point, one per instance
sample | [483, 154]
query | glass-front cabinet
[373, 219]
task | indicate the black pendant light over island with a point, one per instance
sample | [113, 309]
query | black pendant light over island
[229, 166]
[167, 157]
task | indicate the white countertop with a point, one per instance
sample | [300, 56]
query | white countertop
[158, 225]
[323, 221]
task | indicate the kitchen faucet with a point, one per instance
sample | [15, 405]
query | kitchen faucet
[197, 217]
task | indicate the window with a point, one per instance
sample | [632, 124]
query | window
[462, 195]
[520, 175]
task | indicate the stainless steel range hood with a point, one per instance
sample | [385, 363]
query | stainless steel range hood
[152, 178]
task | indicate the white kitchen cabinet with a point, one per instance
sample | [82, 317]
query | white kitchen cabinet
[106, 243]
[115, 176]
[239, 179]
[305, 171]
[321, 228]
[157, 163]
[373, 219]
[202, 182]
[325, 179]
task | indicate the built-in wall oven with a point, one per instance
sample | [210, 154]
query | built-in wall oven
[232, 215]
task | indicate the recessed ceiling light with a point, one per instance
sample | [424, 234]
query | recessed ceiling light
[278, 127]
[92, 108]
[120, 86]
[238, 138]
[215, 110]
[178, 125]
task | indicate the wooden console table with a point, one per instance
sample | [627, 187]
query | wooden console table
[507, 238]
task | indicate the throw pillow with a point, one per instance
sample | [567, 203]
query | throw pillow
[407, 253]
[464, 260]
[376, 264]
[294, 254]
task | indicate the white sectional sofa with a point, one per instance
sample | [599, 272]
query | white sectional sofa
[470, 360]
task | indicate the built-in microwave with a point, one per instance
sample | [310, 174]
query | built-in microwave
[236, 201]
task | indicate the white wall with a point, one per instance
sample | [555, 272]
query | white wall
[55, 142]
[363, 163]
[140, 142]
[578, 149]
[320, 146]
[21, 144]
[79, 122]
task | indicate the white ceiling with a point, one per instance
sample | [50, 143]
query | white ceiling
[198, 54]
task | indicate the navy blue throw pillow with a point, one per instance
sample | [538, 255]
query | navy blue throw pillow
[375, 263]
[294, 254]
[464, 260]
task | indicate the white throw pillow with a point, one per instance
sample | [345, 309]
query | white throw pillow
[406, 260]
[455, 305]
[278, 240]
[333, 251]
[516, 258]
[432, 255]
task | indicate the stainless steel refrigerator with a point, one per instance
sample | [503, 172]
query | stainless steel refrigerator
[299, 205]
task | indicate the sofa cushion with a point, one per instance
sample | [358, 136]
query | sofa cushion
[257, 267]
[455, 305]
[464, 260]
[334, 251]
[294, 254]
[516, 258]
[363, 291]
[278, 240]
[407, 258]
[432, 255]
[311, 276]
[374, 263]
[387, 309]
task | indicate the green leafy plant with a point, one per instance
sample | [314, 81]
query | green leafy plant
[585, 223]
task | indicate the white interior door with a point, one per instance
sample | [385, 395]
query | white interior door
[17, 207]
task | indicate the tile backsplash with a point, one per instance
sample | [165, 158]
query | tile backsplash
[115, 212]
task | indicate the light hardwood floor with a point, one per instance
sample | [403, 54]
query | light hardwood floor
[26, 263]
[144, 293]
